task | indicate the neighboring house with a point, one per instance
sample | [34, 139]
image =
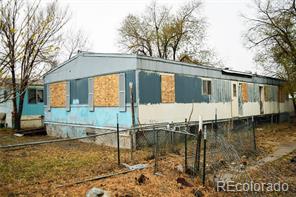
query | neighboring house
[33, 109]
[87, 92]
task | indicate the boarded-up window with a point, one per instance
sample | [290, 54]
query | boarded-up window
[167, 88]
[58, 94]
[106, 90]
[282, 95]
[206, 87]
[245, 92]
[267, 93]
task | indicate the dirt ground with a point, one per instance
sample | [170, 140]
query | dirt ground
[40, 170]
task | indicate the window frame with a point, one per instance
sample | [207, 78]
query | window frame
[206, 87]
[73, 93]
[234, 90]
[36, 96]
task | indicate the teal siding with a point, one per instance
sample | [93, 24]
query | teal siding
[33, 109]
[100, 117]
[221, 91]
[253, 92]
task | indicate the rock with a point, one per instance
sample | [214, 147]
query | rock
[293, 160]
[97, 192]
[242, 167]
[179, 168]
[183, 182]
[197, 193]
[142, 179]
[244, 157]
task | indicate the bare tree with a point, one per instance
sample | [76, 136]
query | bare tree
[75, 42]
[29, 38]
[166, 34]
[272, 33]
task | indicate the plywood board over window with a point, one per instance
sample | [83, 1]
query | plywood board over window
[58, 94]
[167, 88]
[282, 95]
[245, 92]
[106, 91]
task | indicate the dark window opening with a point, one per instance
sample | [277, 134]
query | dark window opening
[5, 95]
[39, 95]
[79, 91]
[207, 87]
[234, 90]
[32, 96]
[35, 96]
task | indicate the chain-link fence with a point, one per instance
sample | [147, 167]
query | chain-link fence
[210, 153]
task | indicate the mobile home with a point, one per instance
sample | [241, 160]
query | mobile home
[88, 91]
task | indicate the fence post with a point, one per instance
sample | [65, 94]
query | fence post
[185, 145]
[254, 133]
[204, 156]
[118, 145]
[155, 149]
[133, 117]
[198, 144]
[215, 126]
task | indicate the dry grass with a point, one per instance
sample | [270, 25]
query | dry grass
[281, 170]
[38, 170]
[269, 137]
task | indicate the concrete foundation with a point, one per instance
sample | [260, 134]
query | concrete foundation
[73, 131]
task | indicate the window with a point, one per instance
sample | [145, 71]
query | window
[207, 87]
[234, 90]
[79, 91]
[4, 96]
[39, 94]
[35, 96]
[32, 96]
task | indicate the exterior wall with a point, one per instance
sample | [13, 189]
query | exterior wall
[33, 109]
[32, 113]
[6, 108]
[189, 96]
[145, 73]
[71, 131]
[96, 117]
[177, 112]
[31, 121]
[81, 115]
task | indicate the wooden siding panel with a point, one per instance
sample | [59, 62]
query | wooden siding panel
[58, 94]
[282, 95]
[245, 92]
[106, 91]
[168, 89]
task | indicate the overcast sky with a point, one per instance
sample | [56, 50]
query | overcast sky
[101, 19]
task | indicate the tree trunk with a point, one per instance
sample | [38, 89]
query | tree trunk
[294, 102]
[20, 110]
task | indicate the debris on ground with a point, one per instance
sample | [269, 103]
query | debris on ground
[142, 179]
[293, 160]
[197, 193]
[179, 168]
[183, 182]
[97, 192]
[135, 167]
[18, 135]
